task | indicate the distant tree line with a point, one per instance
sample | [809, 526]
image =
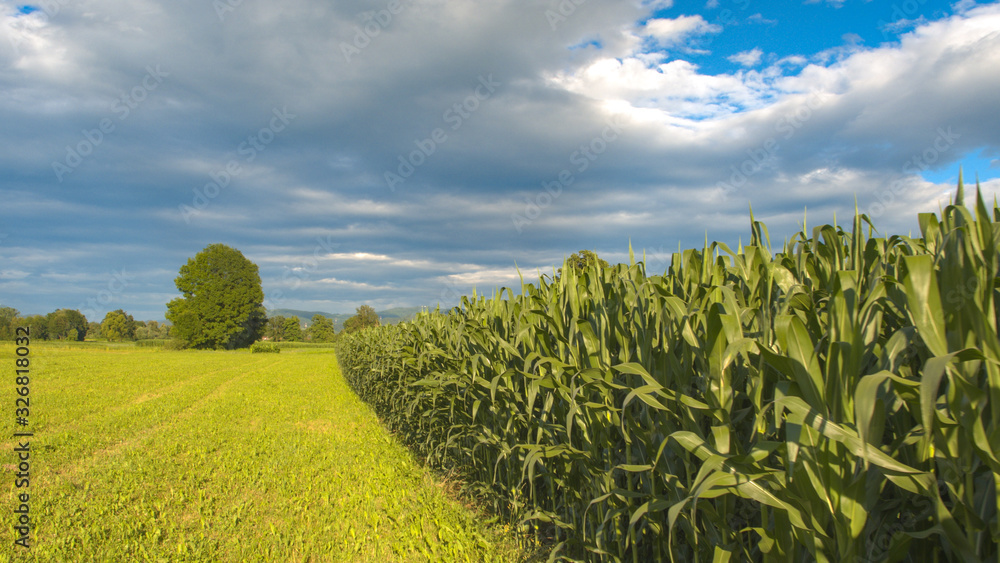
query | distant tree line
[289, 329]
[64, 324]
[70, 324]
[318, 329]
[119, 326]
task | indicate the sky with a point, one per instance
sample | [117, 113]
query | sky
[400, 153]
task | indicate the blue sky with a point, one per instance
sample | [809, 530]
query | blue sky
[404, 153]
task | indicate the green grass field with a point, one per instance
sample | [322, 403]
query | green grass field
[143, 454]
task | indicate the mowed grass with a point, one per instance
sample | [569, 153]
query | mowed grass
[152, 455]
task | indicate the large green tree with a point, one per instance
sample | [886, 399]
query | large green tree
[275, 329]
[321, 329]
[293, 330]
[8, 322]
[118, 326]
[37, 325]
[364, 317]
[67, 324]
[581, 261]
[222, 303]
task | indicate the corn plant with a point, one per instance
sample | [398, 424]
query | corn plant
[830, 400]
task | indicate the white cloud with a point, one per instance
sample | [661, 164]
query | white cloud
[749, 58]
[674, 31]
[760, 19]
[963, 6]
[354, 285]
[486, 277]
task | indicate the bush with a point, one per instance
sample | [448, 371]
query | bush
[291, 345]
[151, 343]
[174, 344]
[264, 348]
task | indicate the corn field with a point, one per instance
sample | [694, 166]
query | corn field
[833, 401]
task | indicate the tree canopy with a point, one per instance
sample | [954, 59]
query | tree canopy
[364, 317]
[66, 324]
[321, 329]
[38, 325]
[118, 326]
[293, 330]
[8, 322]
[582, 260]
[150, 330]
[222, 302]
[275, 329]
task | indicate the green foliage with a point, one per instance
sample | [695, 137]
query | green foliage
[319, 346]
[583, 261]
[175, 344]
[275, 329]
[264, 348]
[838, 400]
[151, 330]
[222, 300]
[321, 329]
[118, 326]
[364, 317]
[293, 330]
[9, 318]
[37, 325]
[66, 324]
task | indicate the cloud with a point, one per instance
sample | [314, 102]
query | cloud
[312, 208]
[674, 31]
[833, 3]
[748, 59]
[760, 19]
[355, 285]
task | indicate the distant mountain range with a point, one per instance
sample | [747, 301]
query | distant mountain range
[388, 316]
